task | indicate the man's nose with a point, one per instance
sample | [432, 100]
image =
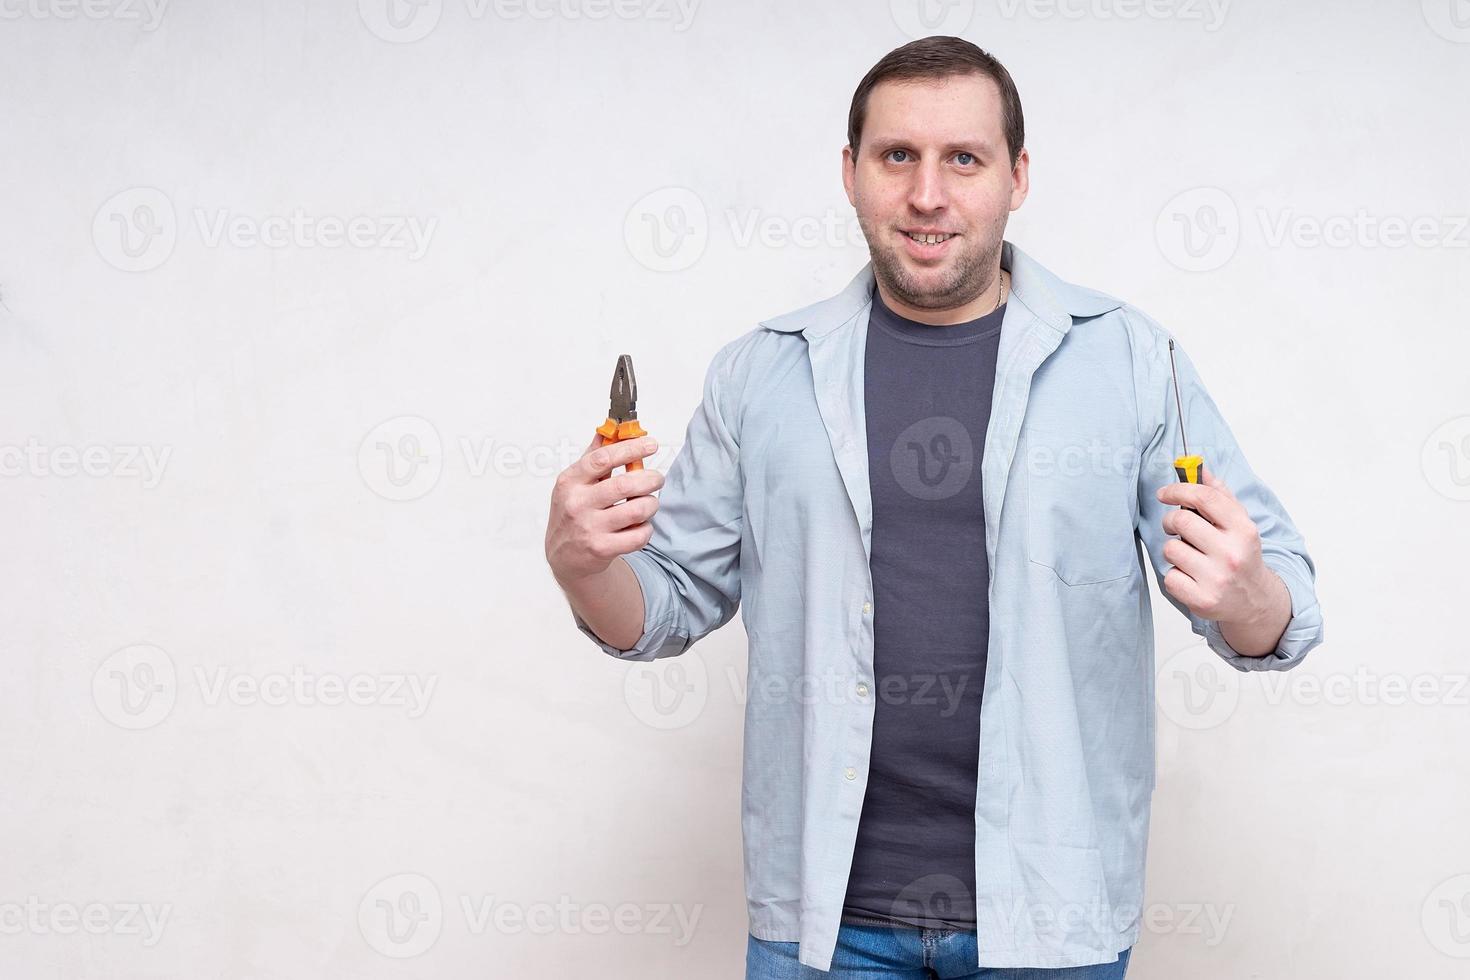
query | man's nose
[928, 191]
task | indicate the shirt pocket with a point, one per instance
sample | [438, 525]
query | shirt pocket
[1081, 504]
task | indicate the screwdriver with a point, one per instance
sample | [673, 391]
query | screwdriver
[622, 413]
[1187, 466]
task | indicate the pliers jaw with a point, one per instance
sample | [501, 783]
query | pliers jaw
[623, 395]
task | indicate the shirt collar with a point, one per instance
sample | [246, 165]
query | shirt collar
[1032, 284]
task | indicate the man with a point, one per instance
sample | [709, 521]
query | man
[929, 492]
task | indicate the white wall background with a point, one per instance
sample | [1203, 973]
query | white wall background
[210, 488]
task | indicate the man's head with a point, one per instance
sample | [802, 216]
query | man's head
[936, 144]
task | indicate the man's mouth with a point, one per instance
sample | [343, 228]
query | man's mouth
[930, 238]
[927, 246]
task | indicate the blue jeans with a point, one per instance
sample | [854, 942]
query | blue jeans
[883, 953]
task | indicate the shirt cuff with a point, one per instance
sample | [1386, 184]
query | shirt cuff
[1303, 630]
[662, 636]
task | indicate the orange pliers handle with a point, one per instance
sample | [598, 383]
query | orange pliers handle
[614, 431]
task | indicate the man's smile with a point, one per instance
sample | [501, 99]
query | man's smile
[923, 243]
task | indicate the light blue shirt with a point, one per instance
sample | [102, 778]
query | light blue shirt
[766, 508]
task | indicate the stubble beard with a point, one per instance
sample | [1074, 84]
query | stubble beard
[970, 274]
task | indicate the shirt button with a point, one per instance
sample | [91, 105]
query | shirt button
[867, 607]
[862, 690]
[850, 772]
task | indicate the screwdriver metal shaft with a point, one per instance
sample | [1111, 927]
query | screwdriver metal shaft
[1186, 466]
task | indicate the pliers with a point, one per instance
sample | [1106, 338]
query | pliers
[622, 413]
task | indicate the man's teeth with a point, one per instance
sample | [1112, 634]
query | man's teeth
[929, 239]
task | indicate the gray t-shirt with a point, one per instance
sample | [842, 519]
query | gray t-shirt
[927, 393]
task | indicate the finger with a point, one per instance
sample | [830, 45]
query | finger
[631, 513]
[628, 541]
[1195, 530]
[1218, 507]
[601, 461]
[1188, 559]
[639, 483]
[1183, 588]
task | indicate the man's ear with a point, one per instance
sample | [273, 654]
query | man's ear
[1020, 179]
[849, 167]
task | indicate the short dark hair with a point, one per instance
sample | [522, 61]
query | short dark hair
[940, 57]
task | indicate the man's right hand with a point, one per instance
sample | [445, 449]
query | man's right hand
[588, 527]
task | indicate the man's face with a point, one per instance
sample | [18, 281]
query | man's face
[933, 158]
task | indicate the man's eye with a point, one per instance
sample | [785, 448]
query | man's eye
[963, 162]
[892, 152]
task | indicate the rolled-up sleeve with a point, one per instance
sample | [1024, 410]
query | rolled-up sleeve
[690, 569]
[661, 636]
[1283, 549]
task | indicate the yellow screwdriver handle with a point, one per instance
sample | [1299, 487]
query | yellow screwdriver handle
[1188, 468]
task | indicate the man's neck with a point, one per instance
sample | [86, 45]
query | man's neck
[985, 303]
